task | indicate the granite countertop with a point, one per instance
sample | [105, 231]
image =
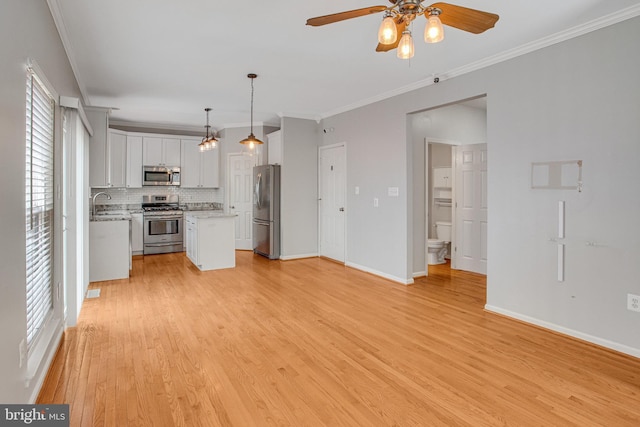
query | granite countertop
[112, 215]
[189, 207]
[209, 214]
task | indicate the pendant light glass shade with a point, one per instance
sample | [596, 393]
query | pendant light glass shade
[209, 141]
[388, 33]
[433, 32]
[251, 140]
[405, 48]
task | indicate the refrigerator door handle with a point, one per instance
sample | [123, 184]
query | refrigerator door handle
[257, 191]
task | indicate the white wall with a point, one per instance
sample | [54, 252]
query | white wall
[299, 188]
[574, 100]
[26, 31]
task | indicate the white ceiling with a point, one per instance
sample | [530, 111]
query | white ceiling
[161, 62]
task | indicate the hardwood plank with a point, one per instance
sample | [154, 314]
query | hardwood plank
[312, 342]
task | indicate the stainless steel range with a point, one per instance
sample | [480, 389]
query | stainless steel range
[162, 224]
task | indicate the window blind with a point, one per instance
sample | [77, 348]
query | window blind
[39, 198]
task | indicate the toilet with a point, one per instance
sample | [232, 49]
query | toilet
[437, 248]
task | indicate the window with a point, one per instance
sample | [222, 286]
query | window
[39, 205]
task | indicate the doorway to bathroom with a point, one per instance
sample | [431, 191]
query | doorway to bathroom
[450, 182]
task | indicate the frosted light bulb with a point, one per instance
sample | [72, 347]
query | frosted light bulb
[387, 34]
[405, 48]
[433, 32]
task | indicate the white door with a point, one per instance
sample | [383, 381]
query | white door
[332, 167]
[470, 246]
[240, 186]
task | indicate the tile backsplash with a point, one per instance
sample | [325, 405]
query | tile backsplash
[133, 196]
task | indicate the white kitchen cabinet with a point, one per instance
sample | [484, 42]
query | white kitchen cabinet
[137, 237]
[191, 238]
[99, 120]
[109, 250]
[107, 152]
[274, 147]
[134, 161]
[160, 151]
[211, 240]
[108, 160]
[199, 169]
[442, 177]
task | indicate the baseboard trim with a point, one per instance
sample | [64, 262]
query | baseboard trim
[379, 273]
[419, 274]
[635, 352]
[298, 256]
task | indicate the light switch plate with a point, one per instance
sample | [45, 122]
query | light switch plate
[393, 191]
[375, 202]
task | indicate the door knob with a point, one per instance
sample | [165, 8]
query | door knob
[232, 207]
[341, 209]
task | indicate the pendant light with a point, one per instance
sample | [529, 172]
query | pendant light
[433, 32]
[209, 141]
[251, 140]
[388, 33]
[405, 48]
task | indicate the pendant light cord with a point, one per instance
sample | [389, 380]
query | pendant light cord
[252, 105]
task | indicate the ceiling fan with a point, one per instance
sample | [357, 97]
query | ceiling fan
[402, 12]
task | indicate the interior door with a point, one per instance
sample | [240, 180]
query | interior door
[470, 246]
[240, 189]
[332, 213]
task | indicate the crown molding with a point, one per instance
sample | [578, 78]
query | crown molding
[158, 126]
[303, 116]
[248, 124]
[596, 24]
[58, 19]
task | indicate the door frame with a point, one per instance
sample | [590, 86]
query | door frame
[346, 210]
[227, 187]
[427, 205]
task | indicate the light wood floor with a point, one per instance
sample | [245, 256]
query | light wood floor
[313, 343]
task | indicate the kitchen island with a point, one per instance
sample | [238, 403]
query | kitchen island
[210, 239]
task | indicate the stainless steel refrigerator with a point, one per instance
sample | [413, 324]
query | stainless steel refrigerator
[266, 211]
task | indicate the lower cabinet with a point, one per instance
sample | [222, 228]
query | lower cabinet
[137, 238]
[109, 256]
[191, 239]
[211, 240]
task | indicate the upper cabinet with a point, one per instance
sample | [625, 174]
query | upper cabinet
[134, 161]
[107, 152]
[274, 147]
[442, 177]
[199, 169]
[160, 151]
[117, 159]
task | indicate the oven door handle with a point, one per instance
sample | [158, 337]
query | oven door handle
[159, 245]
[162, 218]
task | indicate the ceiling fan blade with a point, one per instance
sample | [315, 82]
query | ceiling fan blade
[400, 27]
[462, 18]
[336, 17]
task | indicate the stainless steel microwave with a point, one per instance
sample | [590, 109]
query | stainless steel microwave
[160, 175]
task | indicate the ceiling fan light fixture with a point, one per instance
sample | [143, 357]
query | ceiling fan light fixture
[208, 141]
[387, 34]
[434, 31]
[405, 48]
[251, 140]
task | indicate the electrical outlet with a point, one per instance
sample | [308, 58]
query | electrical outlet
[633, 302]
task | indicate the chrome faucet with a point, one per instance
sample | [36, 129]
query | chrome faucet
[93, 202]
